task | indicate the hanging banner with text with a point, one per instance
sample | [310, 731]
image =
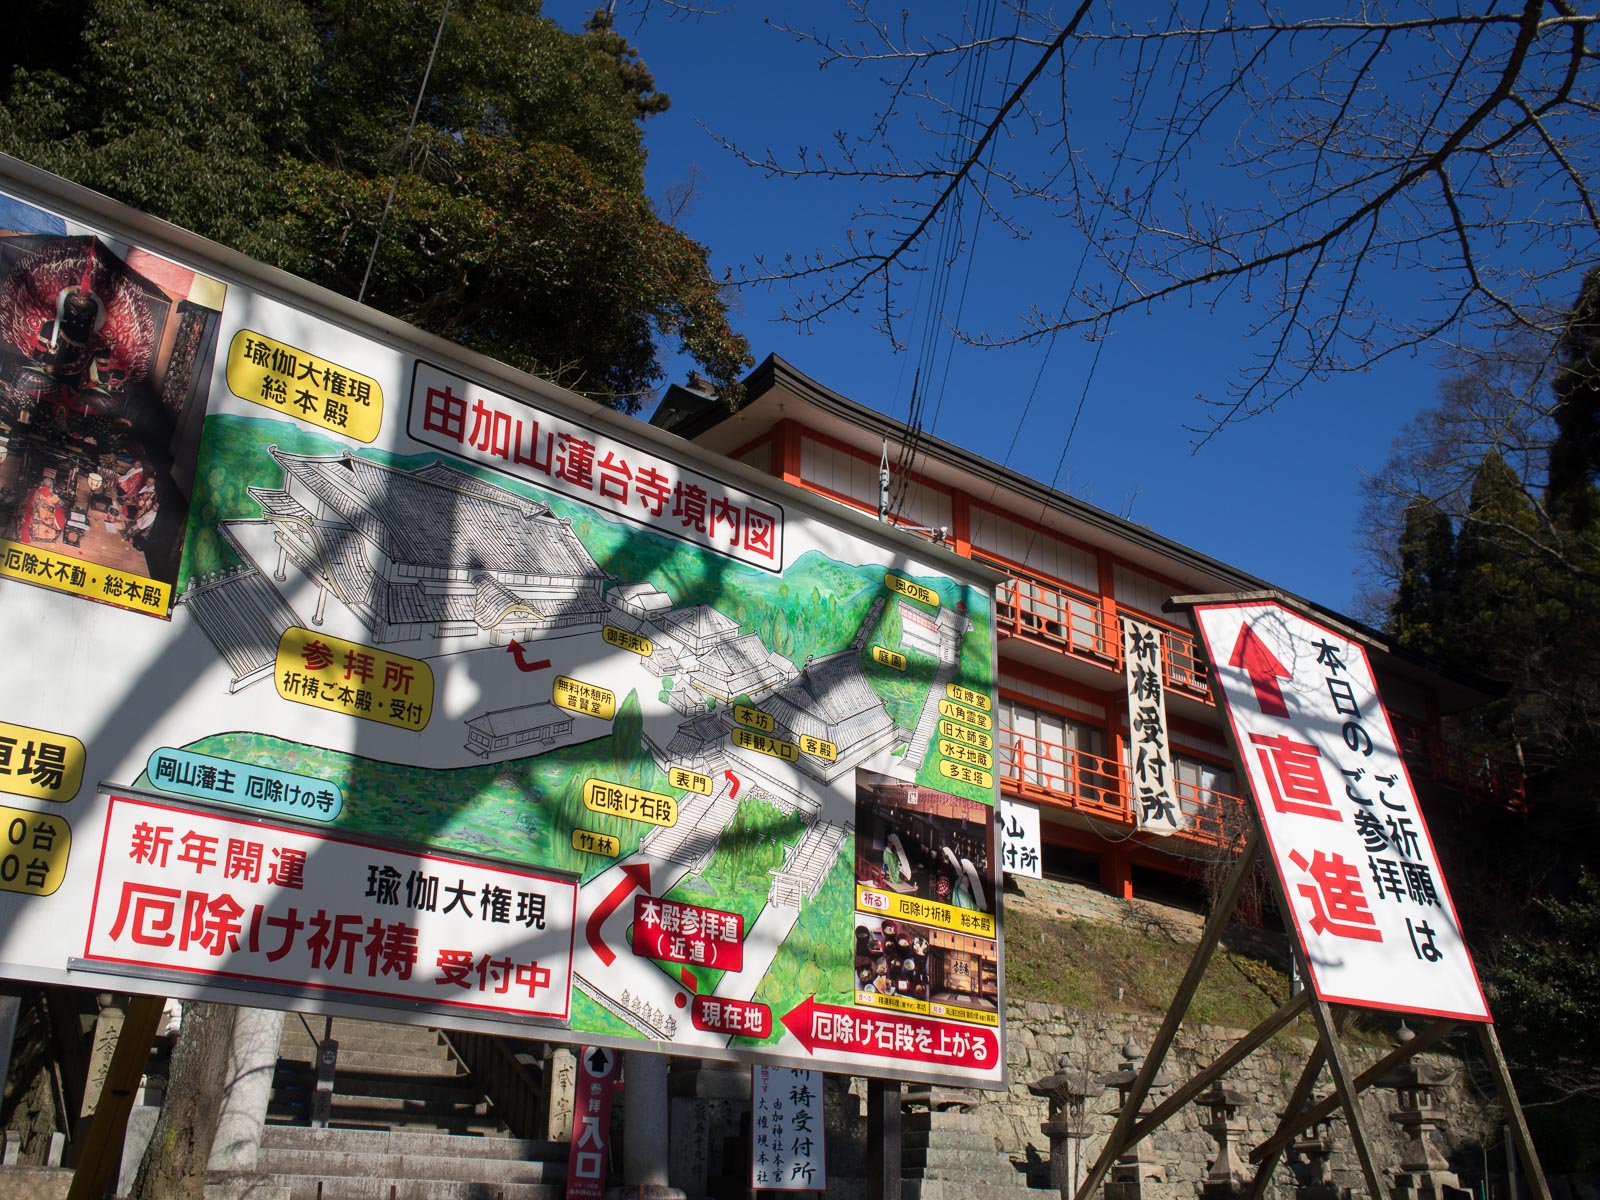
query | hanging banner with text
[788, 1152]
[1347, 837]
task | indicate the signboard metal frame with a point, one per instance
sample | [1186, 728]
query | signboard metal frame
[1328, 1050]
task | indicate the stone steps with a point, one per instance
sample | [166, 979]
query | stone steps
[380, 1164]
[387, 1076]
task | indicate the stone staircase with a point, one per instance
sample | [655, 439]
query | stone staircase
[298, 1163]
[950, 1156]
[406, 1124]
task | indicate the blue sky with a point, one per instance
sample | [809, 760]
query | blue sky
[1277, 496]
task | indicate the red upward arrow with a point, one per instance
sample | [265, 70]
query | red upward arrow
[523, 664]
[1264, 669]
[636, 875]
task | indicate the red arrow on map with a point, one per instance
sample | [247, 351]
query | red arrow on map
[635, 875]
[733, 784]
[523, 664]
[1264, 669]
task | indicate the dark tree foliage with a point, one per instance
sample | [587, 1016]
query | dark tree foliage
[1427, 570]
[519, 225]
[1575, 453]
[1498, 569]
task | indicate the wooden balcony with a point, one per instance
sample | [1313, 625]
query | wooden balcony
[1080, 782]
[1086, 628]
[1428, 754]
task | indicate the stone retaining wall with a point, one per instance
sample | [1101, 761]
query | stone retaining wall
[1039, 1034]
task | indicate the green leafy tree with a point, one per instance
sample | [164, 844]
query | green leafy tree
[1426, 584]
[518, 227]
[1495, 569]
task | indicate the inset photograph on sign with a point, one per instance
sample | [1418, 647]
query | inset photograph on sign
[105, 367]
[925, 938]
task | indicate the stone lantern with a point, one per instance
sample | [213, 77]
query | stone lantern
[1137, 1163]
[1424, 1172]
[1311, 1163]
[1227, 1177]
[1069, 1123]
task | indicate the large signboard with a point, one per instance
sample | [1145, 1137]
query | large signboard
[565, 726]
[1364, 886]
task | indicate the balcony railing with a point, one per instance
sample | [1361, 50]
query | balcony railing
[1097, 786]
[1428, 754]
[1076, 623]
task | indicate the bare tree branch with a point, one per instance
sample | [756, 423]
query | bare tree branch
[1292, 167]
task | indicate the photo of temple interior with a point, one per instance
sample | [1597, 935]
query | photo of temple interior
[923, 962]
[105, 363]
[923, 842]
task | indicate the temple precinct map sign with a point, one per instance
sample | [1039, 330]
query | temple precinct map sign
[1368, 898]
[348, 670]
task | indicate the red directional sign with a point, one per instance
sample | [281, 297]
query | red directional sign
[591, 1123]
[829, 1028]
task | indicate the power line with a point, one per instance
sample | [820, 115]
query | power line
[405, 145]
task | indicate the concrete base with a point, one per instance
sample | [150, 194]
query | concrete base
[646, 1191]
[34, 1183]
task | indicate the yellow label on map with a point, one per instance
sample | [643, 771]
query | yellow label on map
[965, 733]
[754, 718]
[818, 748]
[892, 1000]
[965, 695]
[40, 764]
[892, 659]
[960, 712]
[33, 851]
[347, 677]
[965, 774]
[633, 804]
[589, 699]
[686, 780]
[588, 842]
[749, 739]
[924, 912]
[289, 380]
[963, 753]
[915, 590]
[972, 1016]
[627, 640]
[79, 577]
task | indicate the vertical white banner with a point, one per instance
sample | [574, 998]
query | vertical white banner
[787, 1142]
[1155, 799]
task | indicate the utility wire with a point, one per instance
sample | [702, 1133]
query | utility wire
[394, 183]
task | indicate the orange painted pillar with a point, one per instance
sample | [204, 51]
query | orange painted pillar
[1116, 874]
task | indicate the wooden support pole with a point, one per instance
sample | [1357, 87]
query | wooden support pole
[1229, 1058]
[97, 1165]
[884, 1170]
[1514, 1115]
[1297, 1100]
[1215, 924]
[1349, 1096]
[1287, 1131]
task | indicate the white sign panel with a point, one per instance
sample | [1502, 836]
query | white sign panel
[1021, 846]
[190, 892]
[455, 414]
[787, 1144]
[1155, 800]
[314, 581]
[1348, 839]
